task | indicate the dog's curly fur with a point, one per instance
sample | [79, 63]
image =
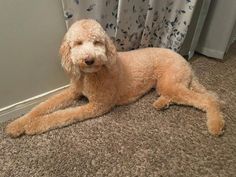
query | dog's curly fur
[108, 78]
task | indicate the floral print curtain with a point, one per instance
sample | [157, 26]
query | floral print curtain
[136, 23]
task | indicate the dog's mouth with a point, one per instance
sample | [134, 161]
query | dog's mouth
[89, 65]
[90, 69]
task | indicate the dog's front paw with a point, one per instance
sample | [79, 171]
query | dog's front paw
[15, 128]
[34, 127]
[216, 126]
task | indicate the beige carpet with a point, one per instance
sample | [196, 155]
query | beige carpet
[135, 140]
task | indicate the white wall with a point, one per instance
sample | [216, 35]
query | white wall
[218, 28]
[30, 35]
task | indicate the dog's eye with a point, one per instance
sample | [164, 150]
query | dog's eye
[97, 43]
[78, 43]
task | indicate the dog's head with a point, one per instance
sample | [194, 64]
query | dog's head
[86, 48]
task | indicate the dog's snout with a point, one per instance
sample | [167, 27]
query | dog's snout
[89, 61]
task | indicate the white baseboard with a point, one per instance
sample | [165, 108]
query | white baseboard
[17, 109]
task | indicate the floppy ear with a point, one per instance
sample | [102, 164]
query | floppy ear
[66, 61]
[65, 54]
[111, 51]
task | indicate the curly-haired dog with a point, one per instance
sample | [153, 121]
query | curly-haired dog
[108, 78]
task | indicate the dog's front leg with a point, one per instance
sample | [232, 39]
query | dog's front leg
[65, 117]
[60, 100]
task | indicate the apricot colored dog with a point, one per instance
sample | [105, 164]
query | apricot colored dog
[108, 78]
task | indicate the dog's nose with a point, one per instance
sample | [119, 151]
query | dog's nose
[89, 61]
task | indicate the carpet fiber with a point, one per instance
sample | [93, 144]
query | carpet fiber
[135, 140]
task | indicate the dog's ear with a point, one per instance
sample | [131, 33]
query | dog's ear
[111, 51]
[65, 55]
[66, 61]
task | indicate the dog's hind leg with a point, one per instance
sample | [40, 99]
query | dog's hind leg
[196, 86]
[205, 101]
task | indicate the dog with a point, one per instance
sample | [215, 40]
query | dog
[109, 78]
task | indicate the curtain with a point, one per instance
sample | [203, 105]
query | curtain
[136, 23]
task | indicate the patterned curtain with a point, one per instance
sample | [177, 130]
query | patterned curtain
[136, 23]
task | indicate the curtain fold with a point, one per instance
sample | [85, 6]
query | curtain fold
[136, 23]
